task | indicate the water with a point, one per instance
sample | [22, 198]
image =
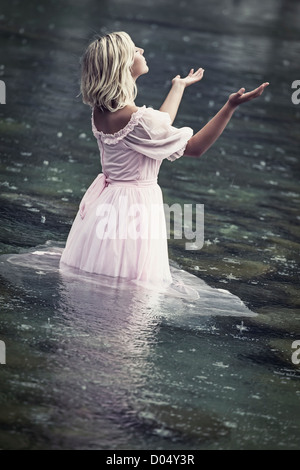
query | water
[132, 369]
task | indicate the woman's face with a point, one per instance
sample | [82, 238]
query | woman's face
[139, 66]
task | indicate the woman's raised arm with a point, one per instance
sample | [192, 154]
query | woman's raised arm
[173, 99]
[203, 139]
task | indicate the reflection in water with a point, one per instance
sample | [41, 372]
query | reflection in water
[102, 347]
[185, 287]
[110, 366]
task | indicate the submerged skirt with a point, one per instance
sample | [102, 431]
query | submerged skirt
[120, 231]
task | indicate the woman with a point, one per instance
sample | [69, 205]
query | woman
[119, 230]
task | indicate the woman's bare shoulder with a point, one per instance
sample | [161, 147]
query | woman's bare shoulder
[111, 123]
[124, 114]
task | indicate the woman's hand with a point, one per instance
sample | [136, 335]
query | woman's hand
[235, 99]
[192, 77]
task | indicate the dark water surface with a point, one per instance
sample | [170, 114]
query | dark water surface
[99, 368]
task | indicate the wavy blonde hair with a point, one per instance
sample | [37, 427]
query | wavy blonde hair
[106, 80]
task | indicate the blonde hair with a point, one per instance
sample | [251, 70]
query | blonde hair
[106, 80]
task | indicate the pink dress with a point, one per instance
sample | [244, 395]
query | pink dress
[120, 227]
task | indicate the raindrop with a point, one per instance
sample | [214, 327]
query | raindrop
[241, 327]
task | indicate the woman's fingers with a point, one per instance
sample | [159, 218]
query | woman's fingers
[255, 92]
[258, 91]
[198, 71]
[241, 97]
[252, 94]
[192, 77]
[195, 76]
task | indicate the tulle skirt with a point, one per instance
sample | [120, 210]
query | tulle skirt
[120, 231]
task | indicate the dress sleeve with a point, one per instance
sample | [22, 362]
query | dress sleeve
[155, 137]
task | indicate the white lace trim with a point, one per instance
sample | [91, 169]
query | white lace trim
[117, 136]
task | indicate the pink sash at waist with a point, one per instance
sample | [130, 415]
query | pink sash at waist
[139, 183]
